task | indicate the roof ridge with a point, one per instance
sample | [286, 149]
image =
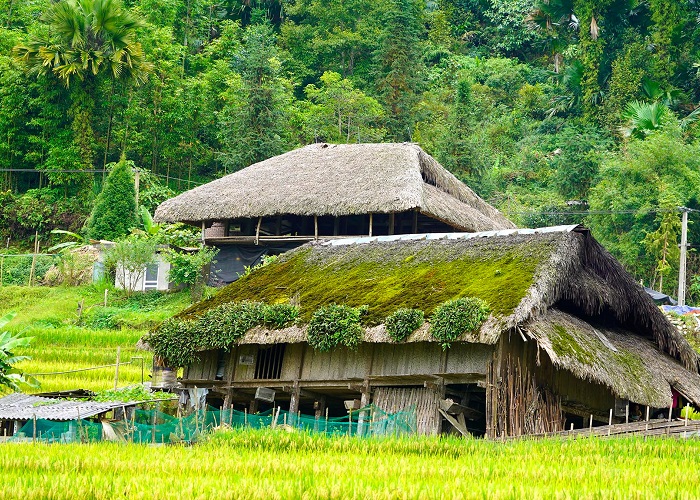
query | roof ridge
[452, 236]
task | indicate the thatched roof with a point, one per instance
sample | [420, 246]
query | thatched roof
[338, 179]
[525, 276]
[632, 367]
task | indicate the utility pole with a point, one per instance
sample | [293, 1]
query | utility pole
[684, 250]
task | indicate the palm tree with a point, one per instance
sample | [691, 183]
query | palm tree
[643, 118]
[86, 40]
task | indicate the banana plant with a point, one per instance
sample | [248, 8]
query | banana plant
[9, 376]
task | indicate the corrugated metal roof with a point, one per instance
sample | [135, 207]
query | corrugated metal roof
[450, 236]
[20, 406]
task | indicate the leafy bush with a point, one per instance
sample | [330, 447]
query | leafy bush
[403, 323]
[334, 325]
[455, 317]
[172, 342]
[187, 269]
[129, 394]
[280, 315]
[102, 318]
[222, 326]
[178, 341]
[129, 257]
[266, 260]
[16, 270]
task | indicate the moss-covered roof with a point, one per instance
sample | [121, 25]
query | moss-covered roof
[632, 367]
[387, 276]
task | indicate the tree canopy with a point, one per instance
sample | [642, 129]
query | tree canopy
[549, 109]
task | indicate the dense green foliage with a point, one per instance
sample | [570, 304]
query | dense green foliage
[10, 376]
[114, 214]
[457, 317]
[177, 341]
[534, 103]
[402, 323]
[278, 464]
[129, 258]
[188, 268]
[335, 325]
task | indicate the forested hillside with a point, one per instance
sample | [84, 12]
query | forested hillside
[555, 111]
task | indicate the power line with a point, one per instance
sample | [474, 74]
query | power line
[92, 171]
[606, 212]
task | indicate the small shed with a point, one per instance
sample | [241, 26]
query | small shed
[570, 334]
[18, 409]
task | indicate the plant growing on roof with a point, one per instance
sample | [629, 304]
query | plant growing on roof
[177, 341]
[335, 324]
[455, 317]
[403, 322]
[280, 315]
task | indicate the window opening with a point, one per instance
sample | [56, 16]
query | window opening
[269, 362]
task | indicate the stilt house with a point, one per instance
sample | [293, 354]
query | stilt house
[327, 191]
[569, 334]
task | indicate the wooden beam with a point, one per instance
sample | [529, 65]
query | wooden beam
[336, 226]
[204, 229]
[315, 227]
[414, 229]
[371, 223]
[257, 230]
[391, 223]
[455, 423]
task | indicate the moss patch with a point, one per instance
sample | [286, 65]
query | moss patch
[574, 347]
[416, 275]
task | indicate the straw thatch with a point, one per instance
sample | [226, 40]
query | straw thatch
[632, 367]
[521, 276]
[342, 179]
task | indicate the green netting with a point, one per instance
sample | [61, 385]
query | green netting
[74, 431]
[153, 426]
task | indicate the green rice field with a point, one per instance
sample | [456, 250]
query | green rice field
[65, 340]
[273, 464]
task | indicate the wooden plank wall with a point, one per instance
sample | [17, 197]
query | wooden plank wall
[394, 399]
[205, 368]
[337, 364]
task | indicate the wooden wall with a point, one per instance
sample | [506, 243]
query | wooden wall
[425, 401]
[302, 362]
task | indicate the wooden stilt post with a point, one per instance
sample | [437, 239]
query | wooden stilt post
[371, 223]
[257, 231]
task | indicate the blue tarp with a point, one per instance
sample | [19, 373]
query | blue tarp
[660, 298]
[681, 309]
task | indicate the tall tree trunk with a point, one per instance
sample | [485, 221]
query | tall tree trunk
[109, 130]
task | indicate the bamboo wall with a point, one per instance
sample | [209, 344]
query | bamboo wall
[394, 399]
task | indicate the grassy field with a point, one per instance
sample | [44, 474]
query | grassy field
[65, 340]
[275, 464]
